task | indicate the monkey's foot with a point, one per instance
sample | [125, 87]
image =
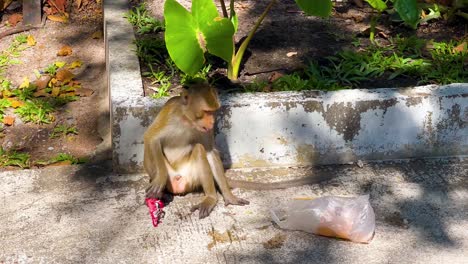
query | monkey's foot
[235, 201]
[155, 191]
[205, 207]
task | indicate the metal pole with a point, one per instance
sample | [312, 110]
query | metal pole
[32, 12]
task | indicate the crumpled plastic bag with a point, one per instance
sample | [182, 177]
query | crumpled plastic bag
[350, 218]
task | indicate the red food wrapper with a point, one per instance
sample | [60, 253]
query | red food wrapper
[155, 207]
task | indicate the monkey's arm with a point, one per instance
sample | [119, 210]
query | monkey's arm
[260, 186]
[155, 166]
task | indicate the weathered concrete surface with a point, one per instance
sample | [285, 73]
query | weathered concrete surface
[310, 128]
[88, 215]
[125, 85]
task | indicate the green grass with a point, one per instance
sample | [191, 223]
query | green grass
[63, 130]
[428, 62]
[4, 104]
[60, 158]
[140, 18]
[151, 50]
[9, 55]
[67, 157]
[36, 111]
[13, 158]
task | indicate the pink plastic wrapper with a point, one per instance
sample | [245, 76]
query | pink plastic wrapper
[155, 207]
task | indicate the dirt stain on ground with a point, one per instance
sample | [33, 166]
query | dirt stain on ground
[220, 238]
[275, 242]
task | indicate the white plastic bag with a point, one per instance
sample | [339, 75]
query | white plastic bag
[350, 218]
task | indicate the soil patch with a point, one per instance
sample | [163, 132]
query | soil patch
[83, 33]
[287, 39]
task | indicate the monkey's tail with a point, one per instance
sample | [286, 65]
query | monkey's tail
[248, 185]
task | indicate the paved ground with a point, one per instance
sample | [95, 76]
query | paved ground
[89, 215]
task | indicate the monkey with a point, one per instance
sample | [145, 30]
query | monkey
[179, 151]
[180, 155]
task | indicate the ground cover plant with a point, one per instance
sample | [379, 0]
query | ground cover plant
[397, 55]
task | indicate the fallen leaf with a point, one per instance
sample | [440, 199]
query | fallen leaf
[275, 76]
[78, 4]
[49, 11]
[290, 54]
[70, 94]
[65, 51]
[84, 92]
[68, 88]
[4, 4]
[61, 163]
[75, 64]
[58, 18]
[55, 91]
[14, 19]
[15, 103]
[41, 93]
[462, 47]
[31, 40]
[64, 75]
[59, 64]
[75, 84]
[6, 93]
[52, 82]
[97, 35]
[8, 120]
[42, 81]
[383, 35]
[37, 74]
[60, 4]
[25, 83]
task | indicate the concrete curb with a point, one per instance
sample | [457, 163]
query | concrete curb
[293, 128]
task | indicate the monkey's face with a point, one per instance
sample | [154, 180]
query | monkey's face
[204, 120]
[200, 104]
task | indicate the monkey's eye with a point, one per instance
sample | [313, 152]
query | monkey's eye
[199, 115]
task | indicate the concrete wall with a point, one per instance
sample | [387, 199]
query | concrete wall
[309, 128]
[289, 128]
[337, 127]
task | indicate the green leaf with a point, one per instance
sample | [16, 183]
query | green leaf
[321, 8]
[378, 5]
[180, 37]
[408, 11]
[218, 37]
[189, 35]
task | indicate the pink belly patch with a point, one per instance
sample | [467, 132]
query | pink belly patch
[177, 185]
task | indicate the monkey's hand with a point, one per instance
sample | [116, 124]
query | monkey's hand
[155, 190]
[232, 199]
[205, 207]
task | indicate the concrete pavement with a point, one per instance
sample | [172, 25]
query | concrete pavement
[86, 214]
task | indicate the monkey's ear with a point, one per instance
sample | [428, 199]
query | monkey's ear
[184, 95]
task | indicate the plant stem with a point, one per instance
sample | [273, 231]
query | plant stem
[233, 67]
[373, 24]
[223, 7]
[231, 7]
